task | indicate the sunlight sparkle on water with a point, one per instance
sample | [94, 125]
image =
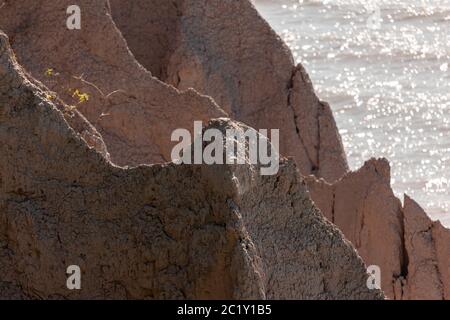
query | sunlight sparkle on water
[389, 87]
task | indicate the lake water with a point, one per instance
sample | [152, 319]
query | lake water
[384, 66]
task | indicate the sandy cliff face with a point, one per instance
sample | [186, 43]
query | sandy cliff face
[168, 231]
[160, 231]
[134, 112]
[427, 244]
[411, 250]
[224, 49]
[241, 63]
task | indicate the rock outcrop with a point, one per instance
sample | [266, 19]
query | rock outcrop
[412, 251]
[169, 231]
[159, 231]
[134, 112]
[224, 49]
[427, 244]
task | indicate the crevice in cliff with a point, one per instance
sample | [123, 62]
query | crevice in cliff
[436, 265]
[314, 168]
[319, 132]
[404, 263]
[236, 110]
[333, 207]
[163, 30]
[319, 112]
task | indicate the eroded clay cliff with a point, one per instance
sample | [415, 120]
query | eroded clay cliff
[159, 231]
[427, 244]
[224, 49]
[167, 231]
[240, 62]
[411, 250]
[134, 112]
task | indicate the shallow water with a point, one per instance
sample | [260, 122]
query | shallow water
[384, 66]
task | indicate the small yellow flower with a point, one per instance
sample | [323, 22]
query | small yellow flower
[82, 97]
[49, 72]
[50, 96]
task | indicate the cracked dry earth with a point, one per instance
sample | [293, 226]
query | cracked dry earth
[90, 185]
